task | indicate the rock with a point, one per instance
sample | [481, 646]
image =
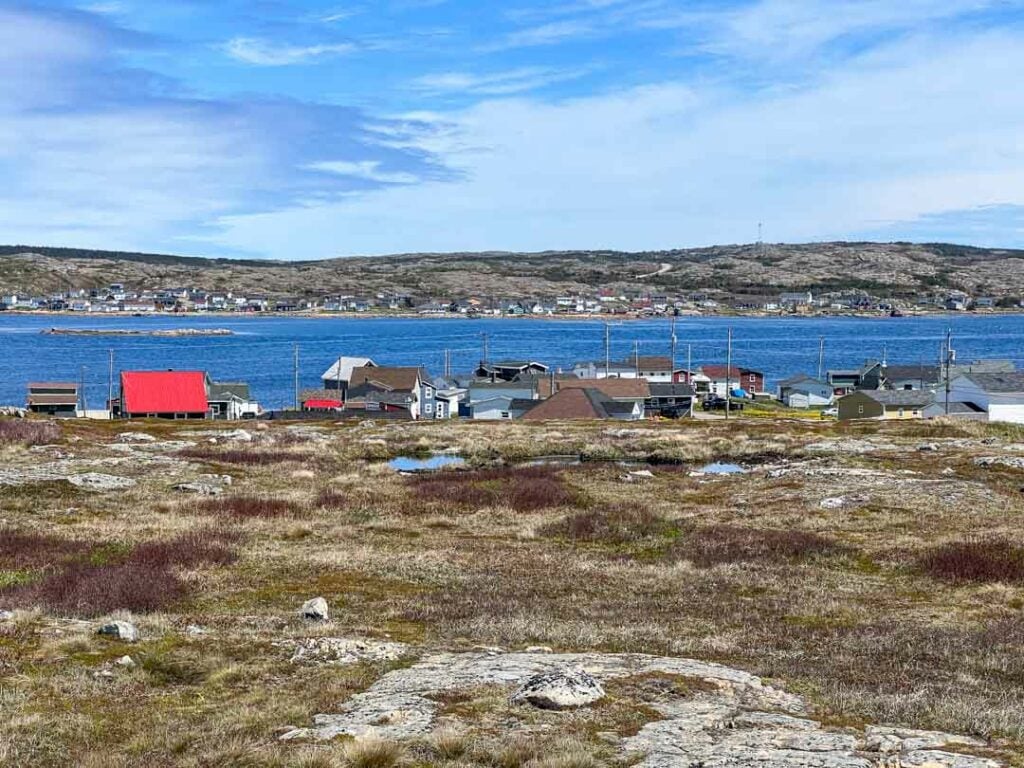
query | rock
[96, 481]
[194, 630]
[11, 410]
[315, 609]
[303, 474]
[538, 649]
[566, 689]
[124, 631]
[638, 476]
[1012, 462]
[836, 502]
[928, 447]
[200, 489]
[238, 436]
[135, 437]
[340, 651]
[6, 615]
[126, 661]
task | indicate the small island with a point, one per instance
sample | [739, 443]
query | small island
[172, 332]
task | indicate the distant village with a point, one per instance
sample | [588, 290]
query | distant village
[119, 298]
[641, 387]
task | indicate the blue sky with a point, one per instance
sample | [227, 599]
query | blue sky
[313, 128]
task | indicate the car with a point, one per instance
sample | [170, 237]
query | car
[833, 412]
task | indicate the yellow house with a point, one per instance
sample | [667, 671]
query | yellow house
[883, 404]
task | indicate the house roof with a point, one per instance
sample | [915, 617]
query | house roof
[63, 385]
[666, 389]
[613, 365]
[802, 378]
[634, 389]
[928, 373]
[386, 377]
[68, 398]
[163, 392]
[225, 390]
[900, 398]
[719, 372]
[513, 364]
[1004, 383]
[652, 363]
[343, 367]
[576, 403]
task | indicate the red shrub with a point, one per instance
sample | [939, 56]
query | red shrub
[247, 507]
[28, 432]
[251, 456]
[617, 525]
[706, 547]
[329, 499]
[524, 489]
[33, 550]
[974, 562]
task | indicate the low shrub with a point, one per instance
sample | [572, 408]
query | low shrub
[717, 544]
[524, 489]
[91, 581]
[250, 507]
[34, 550]
[245, 456]
[26, 432]
[977, 562]
[615, 525]
[330, 499]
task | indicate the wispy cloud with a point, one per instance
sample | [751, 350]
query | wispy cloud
[507, 82]
[551, 33]
[367, 170]
[265, 53]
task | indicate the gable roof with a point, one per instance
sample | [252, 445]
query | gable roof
[575, 403]
[803, 378]
[391, 378]
[652, 363]
[163, 392]
[637, 389]
[1004, 383]
[719, 372]
[928, 373]
[343, 367]
[225, 390]
[900, 398]
[669, 389]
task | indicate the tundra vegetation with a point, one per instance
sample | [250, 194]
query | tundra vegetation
[875, 570]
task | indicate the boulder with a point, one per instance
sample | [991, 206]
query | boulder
[341, 651]
[561, 689]
[96, 481]
[124, 631]
[135, 437]
[126, 661]
[639, 476]
[194, 630]
[315, 609]
[200, 489]
[6, 615]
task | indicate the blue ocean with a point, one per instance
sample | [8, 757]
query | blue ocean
[261, 349]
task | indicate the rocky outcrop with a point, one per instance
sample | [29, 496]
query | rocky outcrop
[96, 481]
[561, 689]
[315, 609]
[341, 651]
[124, 631]
[731, 720]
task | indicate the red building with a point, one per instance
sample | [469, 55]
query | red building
[164, 395]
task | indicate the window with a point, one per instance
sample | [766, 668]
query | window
[753, 378]
[506, 415]
[900, 413]
[860, 409]
[429, 408]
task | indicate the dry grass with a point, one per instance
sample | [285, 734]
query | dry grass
[250, 507]
[718, 544]
[523, 489]
[28, 432]
[614, 525]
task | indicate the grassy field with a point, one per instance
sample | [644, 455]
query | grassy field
[876, 570]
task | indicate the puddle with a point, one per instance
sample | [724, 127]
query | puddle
[719, 468]
[441, 461]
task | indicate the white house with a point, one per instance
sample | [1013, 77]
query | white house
[804, 391]
[1000, 395]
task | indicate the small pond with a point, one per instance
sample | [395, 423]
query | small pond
[440, 461]
[721, 468]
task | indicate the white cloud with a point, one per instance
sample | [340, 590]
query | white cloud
[264, 53]
[368, 170]
[495, 83]
[921, 126]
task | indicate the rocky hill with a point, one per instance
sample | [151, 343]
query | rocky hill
[888, 269]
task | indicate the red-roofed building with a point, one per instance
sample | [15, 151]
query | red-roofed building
[164, 395]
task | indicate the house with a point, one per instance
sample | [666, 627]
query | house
[53, 398]
[804, 391]
[490, 400]
[231, 400]
[721, 379]
[163, 395]
[337, 377]
[868, 376]
[884, 404]
[670, 399]
[583, 403]
[968, 411]
[999, 395]
[507, 370]
[598, 369]
[387, 388]
[908, 377]
[635, 391]
[796, 300]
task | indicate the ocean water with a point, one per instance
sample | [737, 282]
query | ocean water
[261, 349]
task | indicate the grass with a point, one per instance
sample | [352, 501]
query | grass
[975, 562]
[875, 611]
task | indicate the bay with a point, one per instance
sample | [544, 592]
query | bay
[260, 350]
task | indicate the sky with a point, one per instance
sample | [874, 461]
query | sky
[320, 128]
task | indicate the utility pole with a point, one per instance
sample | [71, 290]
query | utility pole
[728, 375]
[81, 388]
[110, 386]
[486, 347]
[821, 358]
[607, 349]
[636, 358]
[689, 376]
[675, 341]
[949, 361]
[295, 369]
